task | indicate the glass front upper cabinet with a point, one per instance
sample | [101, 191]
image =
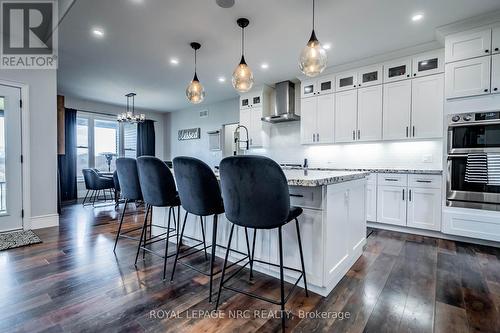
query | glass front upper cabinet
[397, 70]
[370, 76]
[346, 81]
[428, 63]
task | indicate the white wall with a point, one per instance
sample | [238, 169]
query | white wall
[43, 143]
[284, 144]
[219, 113]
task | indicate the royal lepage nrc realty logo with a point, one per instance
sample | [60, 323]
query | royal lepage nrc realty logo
[29, 36]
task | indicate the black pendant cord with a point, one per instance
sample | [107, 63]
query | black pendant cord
[242, 42]
[313, 15]
[196, 76]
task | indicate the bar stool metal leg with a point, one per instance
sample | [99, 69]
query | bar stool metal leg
[212, 257]
[178, 247]
[301, 257]
[83, 203]
[224, 267]
[282, 282]
[120, 227]
[143, 235]
[203, 235]
[166, 243]
[250, 256]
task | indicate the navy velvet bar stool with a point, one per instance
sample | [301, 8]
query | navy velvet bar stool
[256, 196]
[158, 190]
[130, 190]
[200, 195]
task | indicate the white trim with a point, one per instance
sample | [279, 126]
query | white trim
[25, 149]
[44, 221]
[430, 233]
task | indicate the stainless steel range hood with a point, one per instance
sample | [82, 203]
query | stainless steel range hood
[284, 109]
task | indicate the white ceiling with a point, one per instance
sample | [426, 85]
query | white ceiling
[142, 35]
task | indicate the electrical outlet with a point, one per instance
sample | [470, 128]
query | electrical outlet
[427, 158]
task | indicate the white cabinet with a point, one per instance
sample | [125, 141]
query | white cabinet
[495, 74]
[427, 106]
[495, 40]
[369, 114]
[346, 105]
[371, 198]
[424, 208]
[346, 81]
[468, 77]
[409, 200]
[396, 110]
[396, 70]
[391, 204]
[370, 76]
[317, 119]
[428, 63]
[358, 115]
[314, 87]
[467, 45]
[253, 106]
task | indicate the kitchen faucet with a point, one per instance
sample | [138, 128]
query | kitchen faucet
[237, 139]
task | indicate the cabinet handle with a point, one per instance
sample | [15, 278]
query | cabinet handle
[317, 136]
[409, 194]
[353, 134]
[296, 195]
[485, 90]
[415, 74]
[495, 89]
[424, 181]
[406, 131]
[359, 134]
[413, 131]
[407, 75]
[403, 194]
[391, 179]
[314, 137]
[496, 48]
[486, 51]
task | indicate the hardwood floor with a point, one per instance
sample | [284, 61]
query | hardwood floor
[73, 282]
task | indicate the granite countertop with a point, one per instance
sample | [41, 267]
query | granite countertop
[297, 177]
[377, 170]
[313, 178]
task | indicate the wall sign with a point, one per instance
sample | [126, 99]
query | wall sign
[189, 134]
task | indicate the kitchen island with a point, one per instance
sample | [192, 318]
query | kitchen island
[332, 226]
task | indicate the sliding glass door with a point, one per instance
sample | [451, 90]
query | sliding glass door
[11, 200]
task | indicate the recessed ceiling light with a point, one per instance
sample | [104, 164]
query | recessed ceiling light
[264, 66]
[417, 17]
[221, 79]
[98, 32]
[327, 46]
[174, 61]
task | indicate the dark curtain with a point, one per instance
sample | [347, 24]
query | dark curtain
[146, 138]
[67, 162]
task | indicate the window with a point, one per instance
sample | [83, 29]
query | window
[130, 140]
[105, 144]
[100, 140]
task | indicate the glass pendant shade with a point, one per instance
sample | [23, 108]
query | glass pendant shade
[242, 77]
[195, 92]
[313, 58]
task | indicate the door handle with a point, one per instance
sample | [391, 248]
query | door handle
[314, 137]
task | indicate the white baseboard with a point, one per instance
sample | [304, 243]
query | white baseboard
[43, 221]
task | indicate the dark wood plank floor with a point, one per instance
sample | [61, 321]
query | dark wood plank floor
[403, 283]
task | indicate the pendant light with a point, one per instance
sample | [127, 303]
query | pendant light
[242, 75]
[195, 92]
[313, 57]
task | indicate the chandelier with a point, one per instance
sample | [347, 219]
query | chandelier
[129, 116]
